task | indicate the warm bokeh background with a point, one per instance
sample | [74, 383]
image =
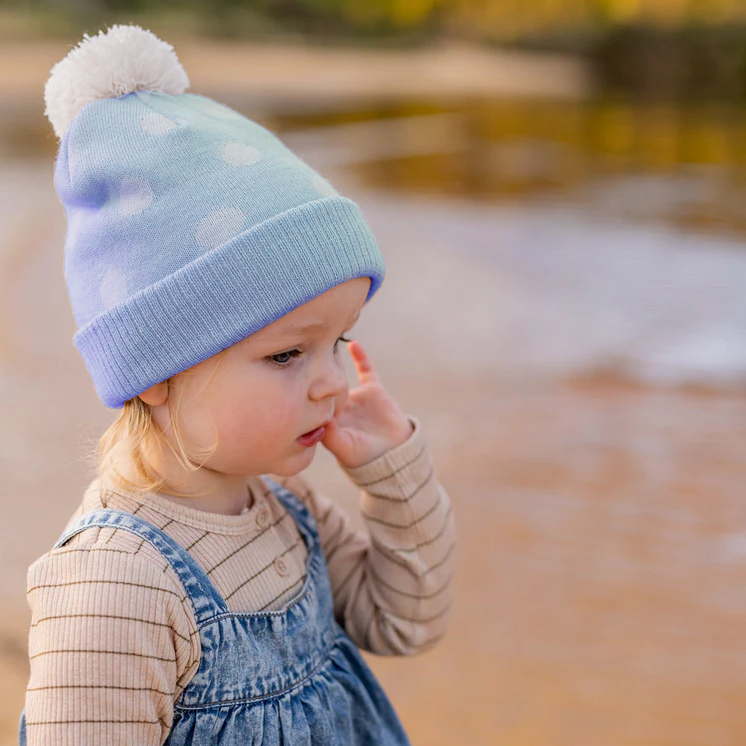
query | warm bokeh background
[559, 189]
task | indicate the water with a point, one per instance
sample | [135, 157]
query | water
[683, 166]
[608, 238]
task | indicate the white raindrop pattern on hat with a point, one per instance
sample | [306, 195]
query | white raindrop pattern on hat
[135, 195]
[219, 226]
[113, 288]
[156, 124]
[324, 187]
[238, 154]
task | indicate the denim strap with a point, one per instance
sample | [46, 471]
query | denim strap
[205, 599]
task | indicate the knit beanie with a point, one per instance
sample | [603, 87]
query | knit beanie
[189, 226]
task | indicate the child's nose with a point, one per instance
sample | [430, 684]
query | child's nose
[331, 379]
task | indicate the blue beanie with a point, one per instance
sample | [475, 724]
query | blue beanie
[189, 226]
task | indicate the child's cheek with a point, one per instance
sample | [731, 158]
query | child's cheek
[340, 402]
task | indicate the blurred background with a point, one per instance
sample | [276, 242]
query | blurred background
[559, 190]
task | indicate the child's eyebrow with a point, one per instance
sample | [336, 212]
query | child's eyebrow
[304, 329]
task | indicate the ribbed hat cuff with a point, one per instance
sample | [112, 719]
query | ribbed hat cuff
[225, 295]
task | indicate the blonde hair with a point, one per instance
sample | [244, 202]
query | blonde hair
[134, 431]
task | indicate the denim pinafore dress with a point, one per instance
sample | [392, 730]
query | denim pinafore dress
[291, 676]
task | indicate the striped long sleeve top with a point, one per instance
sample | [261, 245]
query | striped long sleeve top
[113, 640]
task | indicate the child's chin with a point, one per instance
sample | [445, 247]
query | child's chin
[295, 466]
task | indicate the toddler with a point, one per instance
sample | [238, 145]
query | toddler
[203, 592]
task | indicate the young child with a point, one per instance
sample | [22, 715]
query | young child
[192, 597]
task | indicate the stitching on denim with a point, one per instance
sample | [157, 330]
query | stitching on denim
[302, 593]
[272, 612]
[323, 659]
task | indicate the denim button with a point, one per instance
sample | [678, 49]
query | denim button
[281, 566]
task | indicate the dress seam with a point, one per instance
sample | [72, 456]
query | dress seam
[245, 700]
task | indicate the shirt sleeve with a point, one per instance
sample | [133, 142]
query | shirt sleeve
[392, 583]
[109, 643]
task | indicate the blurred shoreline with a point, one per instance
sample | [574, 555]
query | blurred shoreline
[296, 73]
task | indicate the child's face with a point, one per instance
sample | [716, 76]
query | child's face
[262, 399]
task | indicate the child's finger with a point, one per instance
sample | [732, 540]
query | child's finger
[363, 364]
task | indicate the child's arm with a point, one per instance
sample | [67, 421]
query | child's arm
[392, 584]
[110, 639]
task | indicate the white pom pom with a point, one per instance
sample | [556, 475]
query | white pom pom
[122, 60]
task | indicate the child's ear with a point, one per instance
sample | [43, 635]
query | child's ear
[155, 395]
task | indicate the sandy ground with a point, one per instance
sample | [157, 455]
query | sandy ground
[602, 558]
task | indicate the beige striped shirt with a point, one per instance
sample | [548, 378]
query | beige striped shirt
[113, 639]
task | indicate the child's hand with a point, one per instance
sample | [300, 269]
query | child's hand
[371, 422]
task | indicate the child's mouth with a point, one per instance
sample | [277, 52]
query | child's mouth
[311, 438]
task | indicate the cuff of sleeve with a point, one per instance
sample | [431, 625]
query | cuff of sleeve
[409, 459]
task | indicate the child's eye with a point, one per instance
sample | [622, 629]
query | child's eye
[271, 359]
